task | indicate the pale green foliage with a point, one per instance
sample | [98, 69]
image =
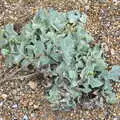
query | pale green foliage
[61, 41]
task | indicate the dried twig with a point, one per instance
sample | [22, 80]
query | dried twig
[25, 76]
[18, 78]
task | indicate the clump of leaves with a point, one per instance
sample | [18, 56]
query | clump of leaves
[60, 41]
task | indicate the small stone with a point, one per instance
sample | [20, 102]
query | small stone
[31, 103]
[115, 1]
[1, 103]
[36, 106]
[112, 51]
[14, 91]
[87, 8]
[14, 118]
[71, 114]
[1, 118]
[25, 117]
[32, 84]
[15, 106]
[116, 118]
[24, 102]
[33, 116]
[4, 96]
[105, 46]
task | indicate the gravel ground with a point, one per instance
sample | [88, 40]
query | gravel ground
[22, 97]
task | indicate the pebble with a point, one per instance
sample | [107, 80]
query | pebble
[4, 96]
[32, 84]
[115, 1]
[112, 51]
[87, 8]
[1, 103]
[15, 106]
[33, 116]
[31, 103]
[14, 91]
[105, 46]
[116, 118]
[25, 117]
[36, 106]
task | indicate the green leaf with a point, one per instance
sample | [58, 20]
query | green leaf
[79, 65]
[83, 46]
[108, 93]
[27, 31]
[25, 63]
[18, 58]
[111, 98]
[95, 82]
[75, 93]
[114, 73]
[9, 31]
[67, 47]
[54, 95]
[73, 16]
[38, 49]
[30, 50]
[5, 52]
[40, 16]
[9, 61]
[86, 88]
[87, 71]
[61, 68]
[44, 60]
[3, 41]
[21, 48]
[83, 18]
[57, 20]
[73, 74]
[100, 65]
[88, 37]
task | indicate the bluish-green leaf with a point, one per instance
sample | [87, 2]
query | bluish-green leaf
[114, 73]
[95, 82]
[9, 31]
[83, 18]
[67, 47]
[73, 16]
[5, 52]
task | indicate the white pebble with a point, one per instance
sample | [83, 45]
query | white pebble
[25, 117]
[15, 106]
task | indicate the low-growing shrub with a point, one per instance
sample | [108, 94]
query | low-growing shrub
[60, 42]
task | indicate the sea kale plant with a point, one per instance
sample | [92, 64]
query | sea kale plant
[60, 42]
